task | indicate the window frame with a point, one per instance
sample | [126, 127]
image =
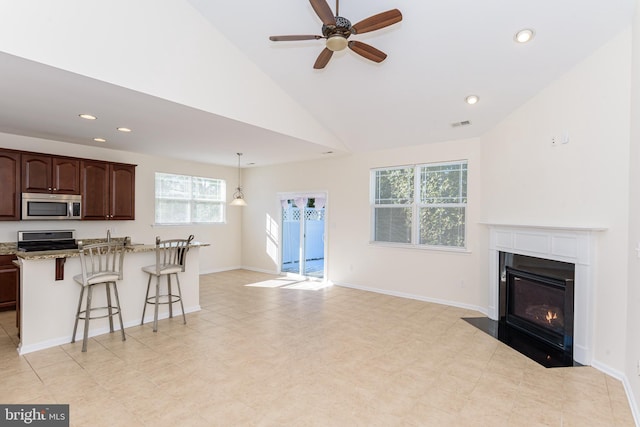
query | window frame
[416, 205]
[192, 200]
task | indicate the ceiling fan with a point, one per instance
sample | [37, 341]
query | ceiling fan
[337, 30]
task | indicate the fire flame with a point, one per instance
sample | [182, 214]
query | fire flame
[551, 316]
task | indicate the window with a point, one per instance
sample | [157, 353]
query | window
[182, 199]
[420, 205]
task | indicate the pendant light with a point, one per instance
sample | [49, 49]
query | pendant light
[238, 197]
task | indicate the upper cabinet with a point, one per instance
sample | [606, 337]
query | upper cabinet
[108, 190]
[10, 188]
[42, 173]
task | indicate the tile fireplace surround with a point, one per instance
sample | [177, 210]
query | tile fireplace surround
[576, 245]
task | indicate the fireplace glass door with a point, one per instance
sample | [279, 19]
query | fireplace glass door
[541, 306]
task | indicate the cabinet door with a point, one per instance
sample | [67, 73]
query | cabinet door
[8, 282]
[10, 187]
[36, 173]
[123, 187]
[66, 175]
[94, 181]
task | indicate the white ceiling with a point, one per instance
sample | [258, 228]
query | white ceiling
[440, 53]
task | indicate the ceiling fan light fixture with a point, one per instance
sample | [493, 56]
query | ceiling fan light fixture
[524, 36]
[336, 43]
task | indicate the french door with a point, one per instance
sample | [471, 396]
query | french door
[303, 236]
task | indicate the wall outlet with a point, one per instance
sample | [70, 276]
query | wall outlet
[554, 141]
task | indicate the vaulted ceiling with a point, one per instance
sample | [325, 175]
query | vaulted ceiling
[440, 53]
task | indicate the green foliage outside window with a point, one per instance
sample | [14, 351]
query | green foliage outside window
[435, 194]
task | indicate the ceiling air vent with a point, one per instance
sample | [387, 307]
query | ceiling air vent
[462, 123]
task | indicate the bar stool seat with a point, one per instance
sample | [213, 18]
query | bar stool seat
[101, 264]
[171, 257]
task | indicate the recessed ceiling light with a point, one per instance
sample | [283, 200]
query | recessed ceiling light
[524, 36]
[472, 99]
[99, 140]
[87, 116]
[124, 129]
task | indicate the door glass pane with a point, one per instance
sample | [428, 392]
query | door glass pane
[290, 238]
[314, 242]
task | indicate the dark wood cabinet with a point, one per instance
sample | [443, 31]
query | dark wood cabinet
[9, 277]
[42, 173]
[10, 185]
[108, 190]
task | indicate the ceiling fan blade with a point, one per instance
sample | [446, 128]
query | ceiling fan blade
[323, 59]
[377, 22]
[293, 38]
[366, 51]
[323, 11]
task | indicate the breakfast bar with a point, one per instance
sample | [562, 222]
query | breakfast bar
[48, 299]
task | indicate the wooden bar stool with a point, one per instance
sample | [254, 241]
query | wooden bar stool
[171, 257]
[101, 264]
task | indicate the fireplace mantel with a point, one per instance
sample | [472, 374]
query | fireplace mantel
[576, 245]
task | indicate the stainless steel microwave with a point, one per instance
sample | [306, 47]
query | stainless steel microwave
[50, 206]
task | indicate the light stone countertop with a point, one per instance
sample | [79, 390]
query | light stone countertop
[10, 248]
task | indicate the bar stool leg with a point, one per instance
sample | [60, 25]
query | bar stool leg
[107, 286]
[184, 318]
[75, 325]
[146, 297]
[169, 295]
[155, 315]
[86, 320]
[115, 291]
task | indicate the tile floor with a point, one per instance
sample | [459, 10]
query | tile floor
[267, 352]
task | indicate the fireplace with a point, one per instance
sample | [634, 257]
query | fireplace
[537, 298]
[574, 245]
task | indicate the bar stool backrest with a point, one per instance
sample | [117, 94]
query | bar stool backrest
[171, 255]
[101, 262]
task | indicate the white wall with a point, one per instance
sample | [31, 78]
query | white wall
[224, 252]
[633, 296]
[457, 278]
[157, 51]
[526, 180]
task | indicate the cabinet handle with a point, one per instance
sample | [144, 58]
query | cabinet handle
[49, 188]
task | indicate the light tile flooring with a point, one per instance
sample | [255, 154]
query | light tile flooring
[266, 352]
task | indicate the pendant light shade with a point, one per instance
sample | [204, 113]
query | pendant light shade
[238, 196]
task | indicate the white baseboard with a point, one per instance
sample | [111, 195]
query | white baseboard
[457, 304]
[42, 345]
[625, 382]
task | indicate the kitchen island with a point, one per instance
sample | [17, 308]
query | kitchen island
[49, 296]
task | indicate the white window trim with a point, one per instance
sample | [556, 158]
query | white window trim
[415, 210]
[222, 202]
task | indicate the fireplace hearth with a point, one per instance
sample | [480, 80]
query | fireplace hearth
[536, 300]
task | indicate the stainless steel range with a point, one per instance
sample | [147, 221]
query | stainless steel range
[46, 240]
